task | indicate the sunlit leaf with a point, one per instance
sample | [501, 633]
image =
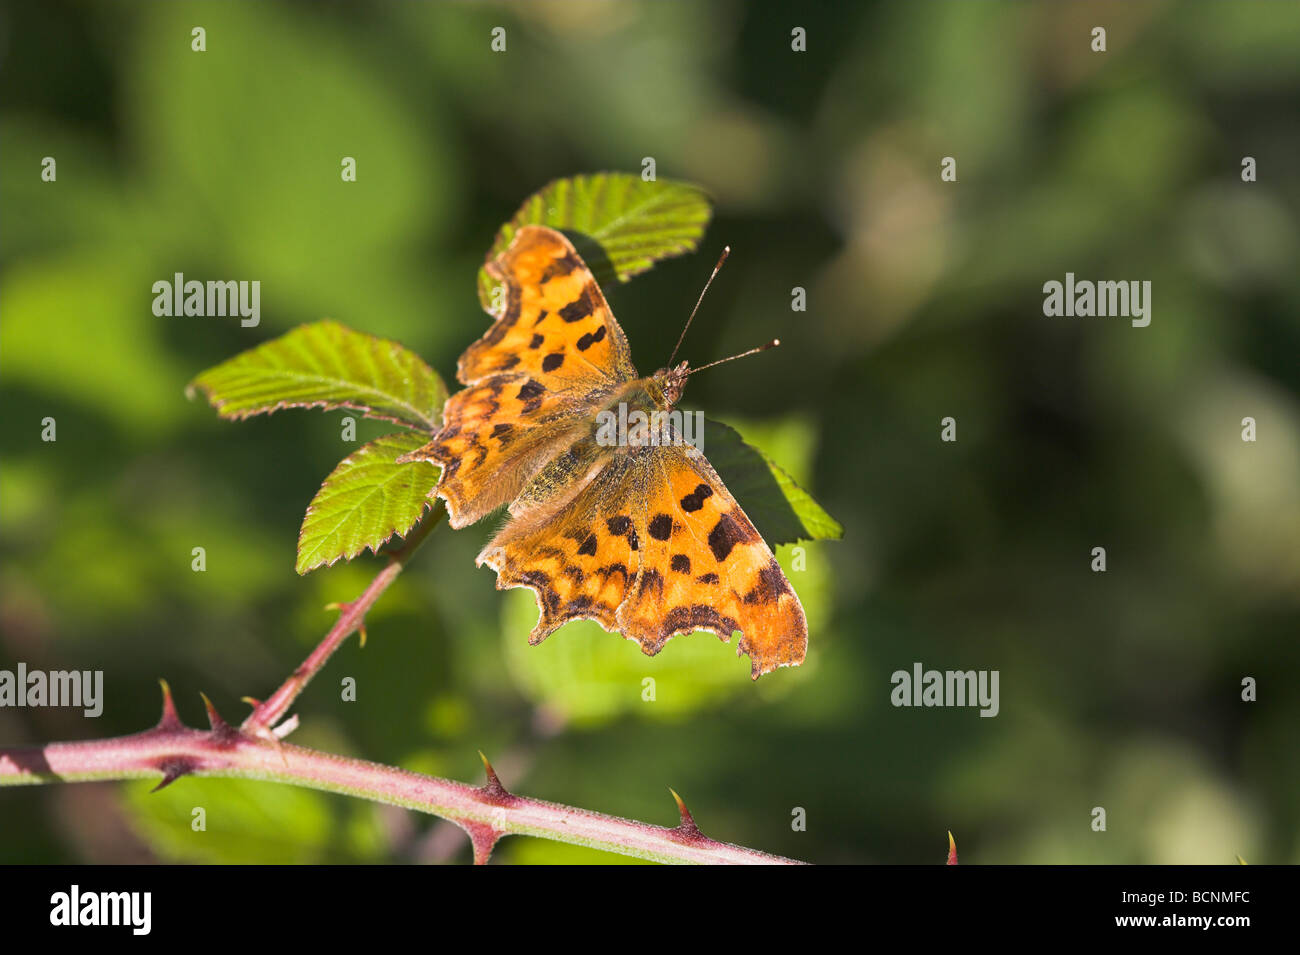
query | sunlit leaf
[242, 821]
[782, 511]
[327, 365]
[619, 223]
[366, 500]
[115, 367]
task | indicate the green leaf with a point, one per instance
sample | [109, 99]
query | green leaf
[591, 677]
[245, 821]
[782, 511]
[620, 224]
[367, 499]
[327, 365]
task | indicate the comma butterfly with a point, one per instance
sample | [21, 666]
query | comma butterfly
[639, 535]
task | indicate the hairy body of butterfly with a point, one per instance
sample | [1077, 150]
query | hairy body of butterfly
[641, 536]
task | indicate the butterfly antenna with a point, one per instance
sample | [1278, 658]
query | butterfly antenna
[745, 354]
[722, 258]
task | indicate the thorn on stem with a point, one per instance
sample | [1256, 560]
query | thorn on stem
[215, 721]
[361, 630]
[687, 826]
[172, 770]
[952, 849]
[493, 785]
[169, 720]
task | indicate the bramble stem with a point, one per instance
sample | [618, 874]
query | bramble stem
[485, 812]
[254, 751]
[351, 616]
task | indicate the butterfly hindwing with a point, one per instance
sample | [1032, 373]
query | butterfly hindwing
[653, 545]
[704, 566]
[578, 553]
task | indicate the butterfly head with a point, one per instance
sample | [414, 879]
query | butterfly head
[667, 385]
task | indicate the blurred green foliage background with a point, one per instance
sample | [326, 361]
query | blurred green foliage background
[1119, 690]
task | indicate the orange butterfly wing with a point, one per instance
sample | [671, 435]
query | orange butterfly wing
[555, 326]
[654, 546]
[705, 567]
[578, 553]
[553, 350]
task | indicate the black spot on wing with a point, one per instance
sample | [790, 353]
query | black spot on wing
[680, 564]
[531, 393]
[589, 339]
[553, 361]
[726, 534]
[588, 547]
[621, 525]
[661, 527]
[531, 390]
[538, 338]
[578, 606]
[695, 500]
[771, 585]
[651, 580]
[581, 307]
[541, 582]
[709, 578]
[612, 569]
[561, 266]
[697, 617]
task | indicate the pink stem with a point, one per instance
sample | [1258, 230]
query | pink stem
[486, 813]
[269, 712]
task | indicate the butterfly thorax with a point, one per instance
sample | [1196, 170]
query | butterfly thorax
[639, 413]
[658, 392]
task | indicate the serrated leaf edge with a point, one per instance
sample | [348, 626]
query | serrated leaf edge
[349, 553]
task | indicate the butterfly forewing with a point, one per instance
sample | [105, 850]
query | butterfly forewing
[552, 352]
[554, 324]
